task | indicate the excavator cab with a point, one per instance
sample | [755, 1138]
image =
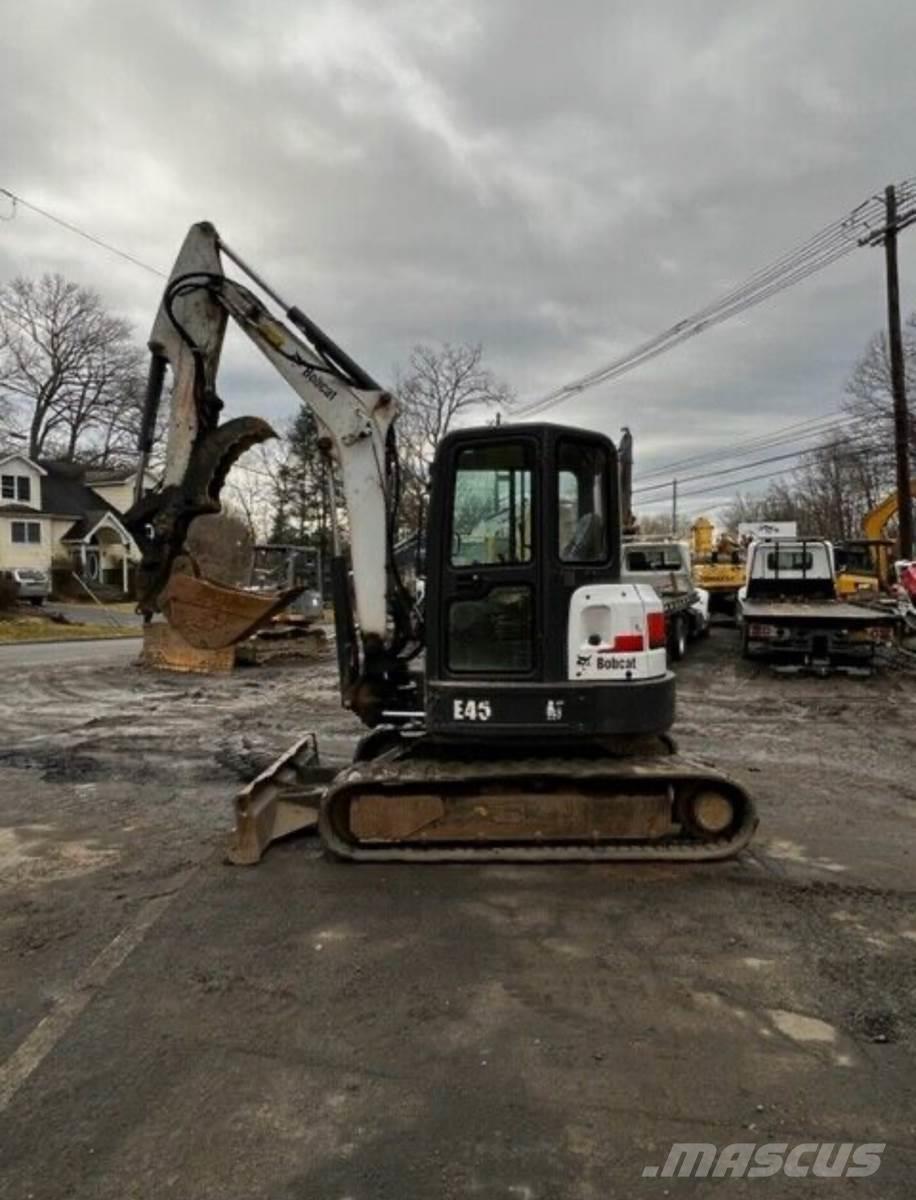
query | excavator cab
[525, 535]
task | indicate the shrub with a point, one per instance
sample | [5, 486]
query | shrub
[9, 593]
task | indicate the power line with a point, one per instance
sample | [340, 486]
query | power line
[737, 483]
[677, 334]
[824, 248]
[760, 462]
[89, 237]
[824, 426]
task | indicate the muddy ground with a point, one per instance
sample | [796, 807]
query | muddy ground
[173, 1026]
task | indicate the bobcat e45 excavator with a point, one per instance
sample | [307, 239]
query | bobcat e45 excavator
[523, 713]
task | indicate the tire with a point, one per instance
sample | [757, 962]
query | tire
[36, 601]
[746, 646]
[677, 642]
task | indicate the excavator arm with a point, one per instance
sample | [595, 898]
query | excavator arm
[355, 420]
[873, 522]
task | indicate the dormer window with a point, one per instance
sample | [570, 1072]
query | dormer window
[16, 487]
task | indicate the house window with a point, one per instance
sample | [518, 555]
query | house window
[16, 487]
[27, 532]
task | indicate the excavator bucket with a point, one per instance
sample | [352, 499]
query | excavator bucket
[212, 616]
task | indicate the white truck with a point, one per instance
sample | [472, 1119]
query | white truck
[789, 612]
[665, 565]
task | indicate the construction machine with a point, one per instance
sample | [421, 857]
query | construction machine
[524, 712]
[284, 567]
[718, 565]
[866, 563]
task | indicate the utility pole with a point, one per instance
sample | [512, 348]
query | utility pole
[674, 508]
[898, 376]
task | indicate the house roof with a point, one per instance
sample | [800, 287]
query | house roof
[16, 456]
[64, 491]
[83, 529]
[96, 475]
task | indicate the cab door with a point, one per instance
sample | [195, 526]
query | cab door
[485, 622]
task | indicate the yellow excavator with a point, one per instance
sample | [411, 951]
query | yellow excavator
[865, 563]
[718, 565]
[523, 711]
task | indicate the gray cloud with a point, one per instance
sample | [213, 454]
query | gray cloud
[557, 181]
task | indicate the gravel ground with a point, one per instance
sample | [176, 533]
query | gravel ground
[173, 1026]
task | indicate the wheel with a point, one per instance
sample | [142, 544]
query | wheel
[677, 642]
[707, 813]
[36, 601]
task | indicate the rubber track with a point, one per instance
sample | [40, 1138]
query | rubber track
[398, 773]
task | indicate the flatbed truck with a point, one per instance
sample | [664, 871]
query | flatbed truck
[665, 566]
[790, 613]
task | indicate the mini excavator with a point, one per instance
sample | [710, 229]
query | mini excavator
[522, 713]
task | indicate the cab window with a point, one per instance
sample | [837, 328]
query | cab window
[491, 505]
[789, 560]
[654, 558]
[582, 472]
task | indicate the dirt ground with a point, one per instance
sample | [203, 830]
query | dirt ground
[171, 1026]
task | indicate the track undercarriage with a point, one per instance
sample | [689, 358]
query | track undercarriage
[419, 802]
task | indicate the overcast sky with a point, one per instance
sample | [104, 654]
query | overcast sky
[557, 181]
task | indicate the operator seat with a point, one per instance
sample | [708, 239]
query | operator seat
[586, 541]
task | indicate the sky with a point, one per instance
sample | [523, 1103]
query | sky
[556, 181]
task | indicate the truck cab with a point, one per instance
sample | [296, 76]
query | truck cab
[795, 568]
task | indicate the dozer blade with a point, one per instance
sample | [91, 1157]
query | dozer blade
[211, 616]
[663, 808]
[283, 799]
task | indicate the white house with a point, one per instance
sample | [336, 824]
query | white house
[66, 515]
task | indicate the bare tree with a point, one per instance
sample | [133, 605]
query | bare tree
[868, 390]
[829, 493]
[69, 368]
[438, 385]
[255, 487]
[655, 525]
[222, 546]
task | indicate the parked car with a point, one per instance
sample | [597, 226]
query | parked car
[32, 583]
